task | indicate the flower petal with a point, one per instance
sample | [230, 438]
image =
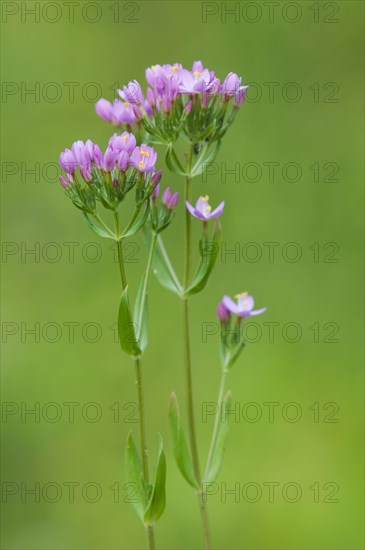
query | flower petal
[190, 207]
[230, 304]
[217, 211]
[258, 311]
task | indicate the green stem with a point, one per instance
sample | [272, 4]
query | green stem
[187, 353]
[138, 379]
[216, 422]
[119, 250]
[143, 440]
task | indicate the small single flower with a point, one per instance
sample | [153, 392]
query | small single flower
[203, 210]
[231, 84]
[169, 199]
[68, 162]
[223, 313]
[110, 159]
[66, 181]
[152, 73]
[244, 305]
[150, 97]
[122, 113]
[240, 96]
[156, 177]
[123, 161]
[144, 158]
[195, 82]
[124, 142]
[104, 109]
[132, 93]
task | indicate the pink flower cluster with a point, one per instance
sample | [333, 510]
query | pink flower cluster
[166, 83]
[121, 153]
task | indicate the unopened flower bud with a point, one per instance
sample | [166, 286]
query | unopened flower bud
[223, 313]
[188, 107]
[155, 192]
[169, 200]
[123, 161]
[156, 177]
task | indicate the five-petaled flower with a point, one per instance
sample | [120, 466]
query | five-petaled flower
[203, 210]
[132, 93]
[244, 305]
[144, 158]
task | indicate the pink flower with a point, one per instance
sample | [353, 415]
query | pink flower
[144, 158]
[244, 305]
[202, 209]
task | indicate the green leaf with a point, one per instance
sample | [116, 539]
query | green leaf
[162, 267]
[157, 500]
[232, 356]
[218, 452]
[133, 474]
[205, 133]
[141, 316]
[138, 225]
[179, 446]
[209, 253]
[126, 327]
[97, 229]
[212, 154]
[172, 163]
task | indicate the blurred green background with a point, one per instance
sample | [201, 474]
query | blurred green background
[315, 45]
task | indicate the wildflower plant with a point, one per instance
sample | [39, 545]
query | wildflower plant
[197, 108]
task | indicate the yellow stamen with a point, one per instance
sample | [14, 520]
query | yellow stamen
[196, 74]
[174, 68]
[126, 104]
[144, 153]
[140, 164]
[205, 199]
[208, 208]
[125, 137]
[241, 295]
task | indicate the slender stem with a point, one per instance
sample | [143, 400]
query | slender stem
[143, 439]
[138, 375]
[119, 250]
[216, 422]
[188, 369]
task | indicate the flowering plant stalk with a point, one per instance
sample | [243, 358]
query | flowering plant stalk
[94, 179]
[179, 105]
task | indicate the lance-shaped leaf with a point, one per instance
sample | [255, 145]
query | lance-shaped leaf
[127, 328]
[179, 446]
[137, 225]
[219, 446]
[209, 156]
[157, 500]
[133, 474]
[141, 314]
[97, 228]
[162, 268]
[232, 355]
[173, 163]
[205, 133]
[209, 253]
